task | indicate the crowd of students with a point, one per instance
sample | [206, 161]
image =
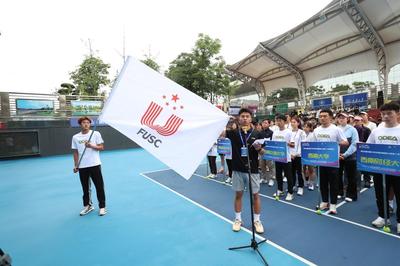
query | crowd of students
[344, 128]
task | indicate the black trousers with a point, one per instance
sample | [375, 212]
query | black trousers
[212, 161]
[287, 169]
[348, 168]
[94, 173]
[328, 183]
[229, 163]
[297, 172]
[391, 181]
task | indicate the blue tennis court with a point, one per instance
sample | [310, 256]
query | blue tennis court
[155, 217]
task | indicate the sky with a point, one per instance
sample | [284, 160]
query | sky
[41, 42]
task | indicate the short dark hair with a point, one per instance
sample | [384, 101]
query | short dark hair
[83, 118]
[266, 119]
[329, 111]
[245, 110]
[281, 117]
[392, 106]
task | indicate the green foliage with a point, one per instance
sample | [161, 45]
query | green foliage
[90, 75]
[284, 94]
[362, 84]
[202, 71]
[314, 90]
[67, 89]
[151, 62]
[340, 88]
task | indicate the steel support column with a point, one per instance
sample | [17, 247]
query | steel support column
[294, 70]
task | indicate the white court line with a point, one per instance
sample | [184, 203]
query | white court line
[164, 169]
[344, 202]
[229, 221]
[314, 211]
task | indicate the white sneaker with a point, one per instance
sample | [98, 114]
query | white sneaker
[210, 176]
[284, 179]
[86, 210]
[289, 197]
[102, 211]
[228, 180]
[259, 227]
[380, 222]
[332, 209]
[271, 183]
[236, 225]
[339, 196]
[311, 187]
[278, 193]
[348, 199]
[323, 206]
[300, 191]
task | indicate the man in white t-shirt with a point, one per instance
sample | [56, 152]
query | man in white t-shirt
[329, 176]
[283, 134]
[366, 122]
[86, 146]
[389, 133]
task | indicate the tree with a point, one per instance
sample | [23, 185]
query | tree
[67, 89]
[314, 90]
[362, 84]
[91, 74]
[202, 71]
[284, 94]
[151, 62]
[340, 88]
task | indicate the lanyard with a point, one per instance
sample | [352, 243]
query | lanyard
[247, 138]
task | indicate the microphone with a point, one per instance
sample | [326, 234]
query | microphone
[245, 129]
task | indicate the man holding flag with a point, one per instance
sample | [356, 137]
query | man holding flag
[242, 141]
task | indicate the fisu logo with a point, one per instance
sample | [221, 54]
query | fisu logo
[152, 113]
[150, 116]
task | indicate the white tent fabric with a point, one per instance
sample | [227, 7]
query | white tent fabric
[328, 44]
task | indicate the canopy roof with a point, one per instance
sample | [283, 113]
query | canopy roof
[347, 36]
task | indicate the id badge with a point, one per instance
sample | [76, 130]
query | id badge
[244, 152]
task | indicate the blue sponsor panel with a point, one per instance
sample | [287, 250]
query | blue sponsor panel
[322, 103]
[320, 154]
[378, 158]
[224, 146]
[275, 151]
[357, 100]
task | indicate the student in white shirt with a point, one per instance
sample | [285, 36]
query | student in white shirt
[348, 163]
[283, 134]
[387, 134]
[328, 175]
[296, 138]
[366, 122]
[90, 164]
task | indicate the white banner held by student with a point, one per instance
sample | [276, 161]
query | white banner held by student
[172, 123]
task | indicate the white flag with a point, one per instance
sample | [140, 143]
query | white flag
[172, 123]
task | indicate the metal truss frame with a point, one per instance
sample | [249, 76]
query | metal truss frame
[294, 70]
[368, 32]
